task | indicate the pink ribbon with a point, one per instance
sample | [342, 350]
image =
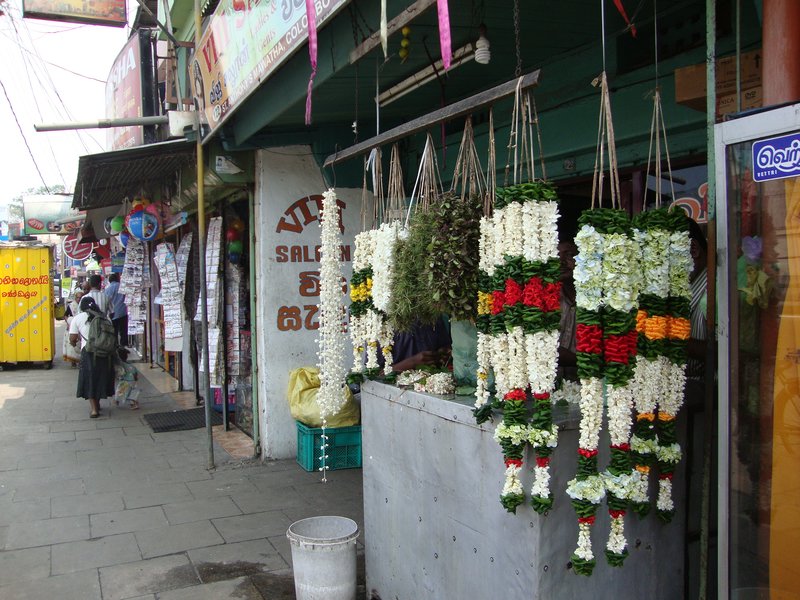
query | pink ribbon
[311, 13]
[444, 33]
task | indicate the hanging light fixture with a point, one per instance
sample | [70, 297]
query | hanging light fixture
[482, 53]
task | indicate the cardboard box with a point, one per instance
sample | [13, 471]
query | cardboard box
[751, 98]
[690, 82]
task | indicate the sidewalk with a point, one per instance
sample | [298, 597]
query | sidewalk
[106, 509]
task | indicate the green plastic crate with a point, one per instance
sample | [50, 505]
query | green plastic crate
[344, 447]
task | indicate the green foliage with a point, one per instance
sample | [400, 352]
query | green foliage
[542, 505]
[525, 192]
[454, 252]
[412, 296]
[615, 559]
[582, 566]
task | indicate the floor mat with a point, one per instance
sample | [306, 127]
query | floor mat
[181, 420]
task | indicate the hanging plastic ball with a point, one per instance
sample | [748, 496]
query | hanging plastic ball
[406, 31]
[123, 239]
[117, 224]
[235, 247]
[234, 257]
[237, 224]
[231, 234]
[143, 226]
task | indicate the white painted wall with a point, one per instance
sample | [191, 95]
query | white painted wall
[286, 216]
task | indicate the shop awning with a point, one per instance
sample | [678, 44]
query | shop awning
[105, 179]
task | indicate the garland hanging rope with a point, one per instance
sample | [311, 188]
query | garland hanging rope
[607, 281]
[519, 314]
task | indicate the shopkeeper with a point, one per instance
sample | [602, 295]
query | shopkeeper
[424, 345]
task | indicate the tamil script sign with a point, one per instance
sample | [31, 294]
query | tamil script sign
[777, 158]
[243, 44]
[93, 12]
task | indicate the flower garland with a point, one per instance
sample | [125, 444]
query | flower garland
[668, 451]
[652, 232]
[606, 284]
[385, 240]
[332, 370]
[431, 383]
[518, 318]
[362, 309]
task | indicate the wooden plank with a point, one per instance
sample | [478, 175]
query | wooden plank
[448, 113]
[396, 24]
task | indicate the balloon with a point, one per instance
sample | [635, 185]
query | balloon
[154, 210]
[231, 235]
[235, 247]
[123, 239]
[143, 226]
[234, 257]
[237, 224]
[117, 224]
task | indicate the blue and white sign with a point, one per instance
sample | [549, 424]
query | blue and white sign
[777, 158]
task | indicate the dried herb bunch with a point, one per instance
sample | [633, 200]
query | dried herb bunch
[453, 261]
[412, 295]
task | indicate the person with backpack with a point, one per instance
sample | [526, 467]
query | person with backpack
[98, 340]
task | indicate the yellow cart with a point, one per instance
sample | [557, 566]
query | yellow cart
[27, 328]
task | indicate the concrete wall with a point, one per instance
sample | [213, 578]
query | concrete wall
[288, 181]
[434, 526]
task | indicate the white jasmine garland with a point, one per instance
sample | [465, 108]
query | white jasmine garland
[541, 482]
[548, 229]
[437, 383]
[671, 399]
[500, 363]
[655, 249]
[385, 340]
[512, 484]
[373, 325]
[487, 260]
[332, 370]
[383, 265]
[513, 230]
[620, 403]
[484, 364]
[592, 489]
[569, 392]
[621, 275]
[498, 229]
[669, 454]
[410, 377]
[530, 224]
[664, 502]
[517, 359]
[584, 549]
[591, 412]
[623, 485]
[358, 336]
[364, 250]
[541, 350]
[647, 383]
[616, 538]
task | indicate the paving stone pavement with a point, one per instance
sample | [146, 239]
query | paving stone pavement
[105, 509]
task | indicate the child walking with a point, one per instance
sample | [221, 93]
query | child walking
[126, 377]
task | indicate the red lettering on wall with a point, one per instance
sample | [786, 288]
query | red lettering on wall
[281, 254]
[304, 212]
[309, 283]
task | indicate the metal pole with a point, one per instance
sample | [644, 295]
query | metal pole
[253, 328]
[708, 420]
[201, 249]
[103, 123]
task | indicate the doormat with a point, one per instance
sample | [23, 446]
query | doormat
[181, 420]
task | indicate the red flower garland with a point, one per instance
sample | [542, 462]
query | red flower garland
[589, 338]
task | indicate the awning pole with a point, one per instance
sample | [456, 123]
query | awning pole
[201, 249]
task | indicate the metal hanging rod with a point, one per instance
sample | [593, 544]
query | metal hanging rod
[448, 113]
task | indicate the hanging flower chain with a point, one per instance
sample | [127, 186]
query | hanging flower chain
[518, 318]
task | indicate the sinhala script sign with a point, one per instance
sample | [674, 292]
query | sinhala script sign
[245, 41]
[777, 158]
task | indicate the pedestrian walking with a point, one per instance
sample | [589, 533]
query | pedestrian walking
[96, 375]
[95, 292]
[118, 311]
[72, 354]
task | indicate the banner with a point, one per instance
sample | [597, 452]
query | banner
[95, 12]
[42, 214]
[243, 44]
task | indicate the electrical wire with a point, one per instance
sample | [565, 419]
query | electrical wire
[22, 133]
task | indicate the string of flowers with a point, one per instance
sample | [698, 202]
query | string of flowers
[587, 489]
[652, 232]
[363, 332]
[425, 381]
[382, 275]
[621, 283]
[518, 319]
[669, 451]
[332, 370]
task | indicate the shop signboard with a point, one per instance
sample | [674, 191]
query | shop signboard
[243, 44]
[76, 250]
[43, 213]
[96, 12]
[776, 158]
[127, 94]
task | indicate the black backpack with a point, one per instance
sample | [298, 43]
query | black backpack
[102, 339]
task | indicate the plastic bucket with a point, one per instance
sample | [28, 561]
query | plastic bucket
[324, 558]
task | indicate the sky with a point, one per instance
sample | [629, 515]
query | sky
[52, 73]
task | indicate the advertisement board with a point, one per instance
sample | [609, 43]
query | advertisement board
[243, 44]
[777, 158]
[42, 214]
[128, 93]
[96, 12]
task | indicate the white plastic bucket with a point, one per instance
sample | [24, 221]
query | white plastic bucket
[324, 558]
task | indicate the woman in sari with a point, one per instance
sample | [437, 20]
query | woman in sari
[72, 354]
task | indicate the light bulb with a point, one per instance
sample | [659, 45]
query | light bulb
[482, 53]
